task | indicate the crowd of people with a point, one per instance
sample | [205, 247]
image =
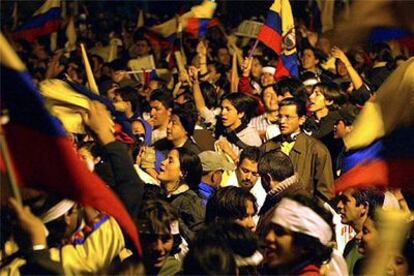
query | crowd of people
[224, 169]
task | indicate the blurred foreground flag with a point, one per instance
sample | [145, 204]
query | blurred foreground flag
[381, 148]
[278, 33]
[45, 20]
[42, 153]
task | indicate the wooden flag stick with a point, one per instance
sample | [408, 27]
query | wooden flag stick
[253, 48]
[91, 80]
[234, 75]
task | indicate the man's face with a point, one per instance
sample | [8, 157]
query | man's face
[248, 221]
[175, 129]
[156, 249]
[369, 237]
[317, 100]
[309, 60]
[160, 115]
[348, 209]
[230, 116]
[270, 100]
[247, 174]
[289, 121]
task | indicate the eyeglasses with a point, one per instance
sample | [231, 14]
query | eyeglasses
[287, 117]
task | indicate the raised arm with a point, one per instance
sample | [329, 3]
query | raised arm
[353, 74]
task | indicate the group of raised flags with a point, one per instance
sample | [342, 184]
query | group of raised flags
[41, 151]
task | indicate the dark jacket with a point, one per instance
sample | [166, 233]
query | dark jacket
[191, 213]
[164, 145]
[312, 162]
[128, 186]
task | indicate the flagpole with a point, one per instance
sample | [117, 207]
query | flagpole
[253, 48]
[89, 74]
[9, 168]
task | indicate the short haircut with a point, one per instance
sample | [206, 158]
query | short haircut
[300, 105]
[292, 85]
[163, 96]
[242, 103]
[319, 55]
[129, 94]
[277, 164]
[187, 115]
[156, 217]
[251, 153]
[191, 168]
[228, 204]
[332, 92]
[371, 196]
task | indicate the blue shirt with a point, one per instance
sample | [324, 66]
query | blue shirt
[205, 191]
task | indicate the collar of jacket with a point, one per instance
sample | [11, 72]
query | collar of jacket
[299, 146]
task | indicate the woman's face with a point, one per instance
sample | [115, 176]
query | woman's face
[398, 266]
[279, 246]
[230, 116]
[270, 100]
[170, 168]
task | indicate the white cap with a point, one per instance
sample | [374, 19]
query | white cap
[269, 69]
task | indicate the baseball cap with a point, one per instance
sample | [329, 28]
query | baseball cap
[211, 161]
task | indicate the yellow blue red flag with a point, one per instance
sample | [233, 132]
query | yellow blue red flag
[278, 33]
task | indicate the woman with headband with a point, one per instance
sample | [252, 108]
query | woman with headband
[297, 239]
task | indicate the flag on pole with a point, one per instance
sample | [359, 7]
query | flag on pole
[45, 20]
[42, 153]
[278, 33]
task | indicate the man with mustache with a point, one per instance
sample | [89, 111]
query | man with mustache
[246, 175]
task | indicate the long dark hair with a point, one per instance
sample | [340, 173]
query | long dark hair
[191, 168]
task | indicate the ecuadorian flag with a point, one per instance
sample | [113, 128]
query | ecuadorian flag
[381, 148]
[45, 20]
[278, 33]
[42, 153]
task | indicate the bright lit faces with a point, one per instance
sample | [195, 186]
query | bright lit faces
[160, 115]
[170, 168]
[289, 120]
[247, 174]
[348, 209]
[317, 100]
[309, 60]
[279, 248]
[230, 116]
[270, 100]
[175, 130]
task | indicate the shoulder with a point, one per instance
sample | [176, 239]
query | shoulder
[250, 136]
